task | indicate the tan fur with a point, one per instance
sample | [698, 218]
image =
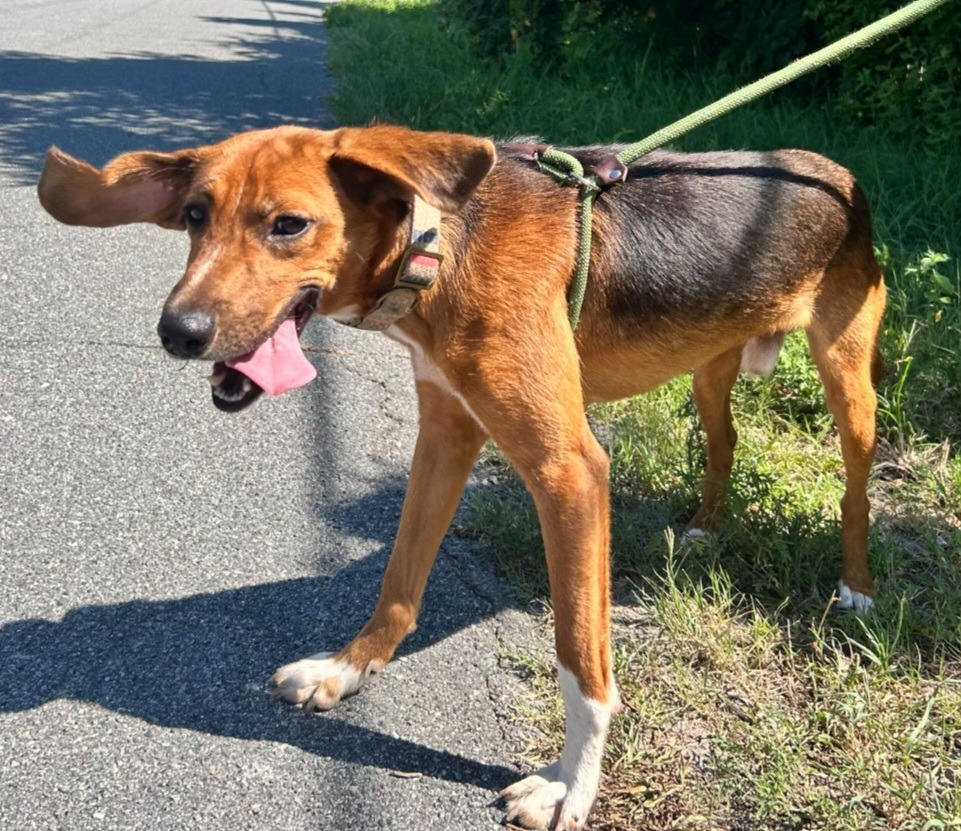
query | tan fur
[494, 333]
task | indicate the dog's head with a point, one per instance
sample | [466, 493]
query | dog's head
[282, 223]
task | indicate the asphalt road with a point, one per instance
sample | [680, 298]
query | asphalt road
[158, 558]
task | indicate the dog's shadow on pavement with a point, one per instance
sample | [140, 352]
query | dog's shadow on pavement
[202, 662]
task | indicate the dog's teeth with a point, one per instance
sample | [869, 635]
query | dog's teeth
[247, 385]
[227, 396]
[216, 378]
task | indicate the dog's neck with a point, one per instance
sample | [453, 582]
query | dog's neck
[414, 272]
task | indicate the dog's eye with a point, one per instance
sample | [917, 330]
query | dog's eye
[195, 215]
[289, 226]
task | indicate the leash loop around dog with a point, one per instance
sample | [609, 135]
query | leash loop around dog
[567, 169]
[614, 170]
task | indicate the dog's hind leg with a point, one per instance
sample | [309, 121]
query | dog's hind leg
[843, 339]
[712, 395]
[447, 447]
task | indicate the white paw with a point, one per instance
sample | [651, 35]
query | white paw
[848, 599]
[560, 796]
[318, 682]
[545, 800]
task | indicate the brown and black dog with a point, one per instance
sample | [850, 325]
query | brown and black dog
[701, 262]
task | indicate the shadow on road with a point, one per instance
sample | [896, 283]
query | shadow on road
[202, 662]
[98, 107]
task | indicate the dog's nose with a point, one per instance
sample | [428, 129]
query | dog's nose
[185, 334]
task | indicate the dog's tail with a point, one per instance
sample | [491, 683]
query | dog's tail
[759, 356]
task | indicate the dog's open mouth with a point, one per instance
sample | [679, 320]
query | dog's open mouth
[275, 366]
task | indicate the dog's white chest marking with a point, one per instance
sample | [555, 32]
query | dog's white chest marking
[346, 314]
[426, 370]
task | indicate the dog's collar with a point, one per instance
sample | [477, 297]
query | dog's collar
[419, 267]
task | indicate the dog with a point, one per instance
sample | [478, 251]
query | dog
[463, 251]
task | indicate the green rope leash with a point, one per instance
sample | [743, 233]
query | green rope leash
[566, 168]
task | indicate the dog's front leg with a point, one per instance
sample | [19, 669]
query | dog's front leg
[447, 447]
[573, 505]
[530, 399]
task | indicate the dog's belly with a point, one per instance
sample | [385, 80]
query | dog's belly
[633, 371]
[622, 369]
[621, 356]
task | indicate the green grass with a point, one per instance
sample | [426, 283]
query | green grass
[394, 64]
[737, 716]
[752, 704]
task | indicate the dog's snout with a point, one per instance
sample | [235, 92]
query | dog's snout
[185, 334]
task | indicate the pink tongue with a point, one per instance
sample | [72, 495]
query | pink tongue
[278, 364]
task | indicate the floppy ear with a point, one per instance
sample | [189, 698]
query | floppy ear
[134, 187]
[443, 169]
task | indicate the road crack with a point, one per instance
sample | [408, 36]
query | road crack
[29, 343]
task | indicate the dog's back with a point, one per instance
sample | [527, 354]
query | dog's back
[710, 237]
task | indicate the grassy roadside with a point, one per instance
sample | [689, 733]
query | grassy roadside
[751, 704]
